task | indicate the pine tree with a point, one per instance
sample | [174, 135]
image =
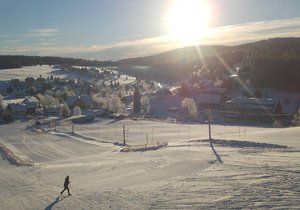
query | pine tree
[137, 100]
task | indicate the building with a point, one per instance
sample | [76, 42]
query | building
[252, 106]
[31, 105]
[17, 109]
[205, 100]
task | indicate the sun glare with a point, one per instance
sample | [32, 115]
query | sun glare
[188, 20]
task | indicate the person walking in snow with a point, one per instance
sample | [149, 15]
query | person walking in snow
[66, 186]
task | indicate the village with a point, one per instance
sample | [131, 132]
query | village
[91, 93]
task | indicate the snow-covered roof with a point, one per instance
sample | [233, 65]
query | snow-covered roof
[263, 104]
[31, 102]
[246, 100]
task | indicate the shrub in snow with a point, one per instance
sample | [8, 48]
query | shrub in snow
[190, 108]
[64, 111]
[76, 111]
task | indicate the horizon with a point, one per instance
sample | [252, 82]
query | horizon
[110, 30]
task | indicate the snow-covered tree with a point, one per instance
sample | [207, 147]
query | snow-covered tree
[116, 105]
[48, 100]
[190, 108]
[1, 103]
[145, 104]
[64, 111]
[137, 100]
[76, 111]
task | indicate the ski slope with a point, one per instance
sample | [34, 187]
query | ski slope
[183, 175]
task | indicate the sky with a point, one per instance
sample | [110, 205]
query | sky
[114, 29]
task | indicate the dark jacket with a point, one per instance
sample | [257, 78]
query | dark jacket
[67, 182]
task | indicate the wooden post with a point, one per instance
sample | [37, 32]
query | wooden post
[124, 139]
[147, 138]
[73, 128]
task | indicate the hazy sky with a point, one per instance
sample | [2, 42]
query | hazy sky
[112, 29]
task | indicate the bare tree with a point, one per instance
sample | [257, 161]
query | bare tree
[190, 108]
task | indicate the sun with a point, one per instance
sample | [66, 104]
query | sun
[188, 20]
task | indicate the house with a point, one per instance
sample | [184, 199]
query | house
[31, 104]
[17, 108]
[163, 92]
[252, 106]
[84, 101]
[51, 110]
[127, 100]
[205, 100]
[164, 107]
[71, 100]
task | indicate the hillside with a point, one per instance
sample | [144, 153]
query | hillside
[273, 63]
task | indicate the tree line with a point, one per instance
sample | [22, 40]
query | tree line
[18, 61]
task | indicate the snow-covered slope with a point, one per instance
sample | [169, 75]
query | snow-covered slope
[183, 175]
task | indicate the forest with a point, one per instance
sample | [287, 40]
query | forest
[273, 63]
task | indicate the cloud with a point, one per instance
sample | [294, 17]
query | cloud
[125, 47]
[47, 43]
[10, 41]
[44, 32]
[129, 37]
[249, 32]
[3, 35]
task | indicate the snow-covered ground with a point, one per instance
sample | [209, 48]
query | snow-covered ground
[30, 71]
[183, 175]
